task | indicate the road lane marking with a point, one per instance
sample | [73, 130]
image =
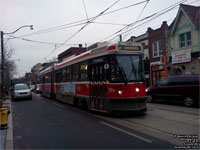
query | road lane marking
[58, 105]
[121, 130]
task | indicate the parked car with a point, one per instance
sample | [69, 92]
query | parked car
[183, 88]
[32, 87]
[37, 88]
[21, 91]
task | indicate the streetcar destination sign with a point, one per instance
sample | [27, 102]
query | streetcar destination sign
[129, 48]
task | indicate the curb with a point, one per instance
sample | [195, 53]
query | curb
[7, 135]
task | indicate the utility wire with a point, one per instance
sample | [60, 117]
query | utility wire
[40, 42]
[85, 10]
[151, 17]
[118, 24]
[79, 22]
[61, 27]
[13, 37]
[84, 26]
[140, 13]
[158, 15]
[128, 26]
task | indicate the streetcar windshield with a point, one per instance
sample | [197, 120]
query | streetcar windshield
[131, 67]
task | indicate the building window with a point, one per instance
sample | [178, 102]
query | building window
[185, 39]
[157, 49]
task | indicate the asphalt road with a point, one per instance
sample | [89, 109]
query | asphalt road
[42, 123]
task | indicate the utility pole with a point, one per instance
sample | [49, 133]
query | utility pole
[2, 92]
[2, 68]
[120, 38]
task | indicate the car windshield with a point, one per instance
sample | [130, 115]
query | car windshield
[32, 86]
[131, 66]
[21, 87]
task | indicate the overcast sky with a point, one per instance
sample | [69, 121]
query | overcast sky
[46, 14]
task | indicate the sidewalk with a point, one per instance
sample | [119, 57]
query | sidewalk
[7, 135]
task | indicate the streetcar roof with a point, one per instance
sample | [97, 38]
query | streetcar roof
[48, 69]
[120, 47]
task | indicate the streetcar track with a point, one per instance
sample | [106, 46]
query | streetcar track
[173, 110]
[58, 104]
[147, 127]
[173, 120]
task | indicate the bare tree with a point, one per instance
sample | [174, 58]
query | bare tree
[10, 67]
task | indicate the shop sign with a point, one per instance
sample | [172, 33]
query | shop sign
[181, 56]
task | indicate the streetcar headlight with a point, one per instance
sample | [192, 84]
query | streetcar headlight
[119, 92]
[137, 89]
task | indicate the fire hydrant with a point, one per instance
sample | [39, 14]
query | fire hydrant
[3, 118]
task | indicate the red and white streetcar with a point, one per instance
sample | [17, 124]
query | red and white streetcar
[109, 78]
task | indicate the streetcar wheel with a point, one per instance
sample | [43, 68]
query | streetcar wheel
[188, 101]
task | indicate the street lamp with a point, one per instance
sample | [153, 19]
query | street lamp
[3, 61]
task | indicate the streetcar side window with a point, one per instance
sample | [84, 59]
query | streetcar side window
[47, 78]
[68, 73]
[64, 74]
[96, 73]
[92, 73]
[83, 71]
[75, 72]
[58, 76]
[41, 78]
[101, 75]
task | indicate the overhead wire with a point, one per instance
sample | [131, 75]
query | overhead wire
[141, 13]
[149, 18]
[40, 42]
[50, 43]
[128, 26]
[64, 26]
[85, 10]
[99, 23]
[107, 23]
[158, 15]
[140, 25]
[84, 26]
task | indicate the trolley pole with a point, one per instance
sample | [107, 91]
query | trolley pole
[2, 69]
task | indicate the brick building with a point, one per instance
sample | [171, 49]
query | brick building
[70, 52]
[157, 44]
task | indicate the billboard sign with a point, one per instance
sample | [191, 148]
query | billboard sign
[181, 56]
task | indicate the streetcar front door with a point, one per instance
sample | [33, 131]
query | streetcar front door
[98, 88]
